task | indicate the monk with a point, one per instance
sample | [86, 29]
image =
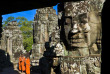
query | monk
[23, 63]
[20, 62]
[27, 65]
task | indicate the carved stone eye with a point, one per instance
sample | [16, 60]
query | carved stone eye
[67, 21]
[83, 18]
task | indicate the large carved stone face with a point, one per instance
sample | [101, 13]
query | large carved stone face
[80, 27]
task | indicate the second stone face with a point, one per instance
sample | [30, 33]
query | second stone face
[45, 24]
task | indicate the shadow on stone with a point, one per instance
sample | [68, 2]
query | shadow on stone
[35, 69]
[6, 67]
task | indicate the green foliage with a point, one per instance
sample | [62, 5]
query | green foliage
[9, 19]
[27, 30]
[20, 20]
[28, 43]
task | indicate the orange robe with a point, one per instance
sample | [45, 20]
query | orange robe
[27, 66]
[20, 60]
[23, 63]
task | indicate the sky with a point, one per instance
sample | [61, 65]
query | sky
[27, 14]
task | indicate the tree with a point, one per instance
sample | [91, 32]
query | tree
[9, 19]
[27, 30]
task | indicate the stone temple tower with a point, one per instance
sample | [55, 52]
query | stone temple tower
[12, 40]
[45, 22]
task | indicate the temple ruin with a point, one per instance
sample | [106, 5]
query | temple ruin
[45, 23]
[12, 41]
[67, 43]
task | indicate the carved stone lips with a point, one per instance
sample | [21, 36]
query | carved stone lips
[76, 40]
[79, 44]
[76, 36]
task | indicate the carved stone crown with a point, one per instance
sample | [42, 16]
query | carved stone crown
[80, 7]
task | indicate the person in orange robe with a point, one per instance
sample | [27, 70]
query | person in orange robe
[20, 62]
[23, 63]
[27, 65]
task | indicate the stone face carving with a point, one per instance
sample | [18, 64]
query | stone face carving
[12, 37]
[80, 26]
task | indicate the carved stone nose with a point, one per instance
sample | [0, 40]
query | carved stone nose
[74, 28]
[86, 27]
